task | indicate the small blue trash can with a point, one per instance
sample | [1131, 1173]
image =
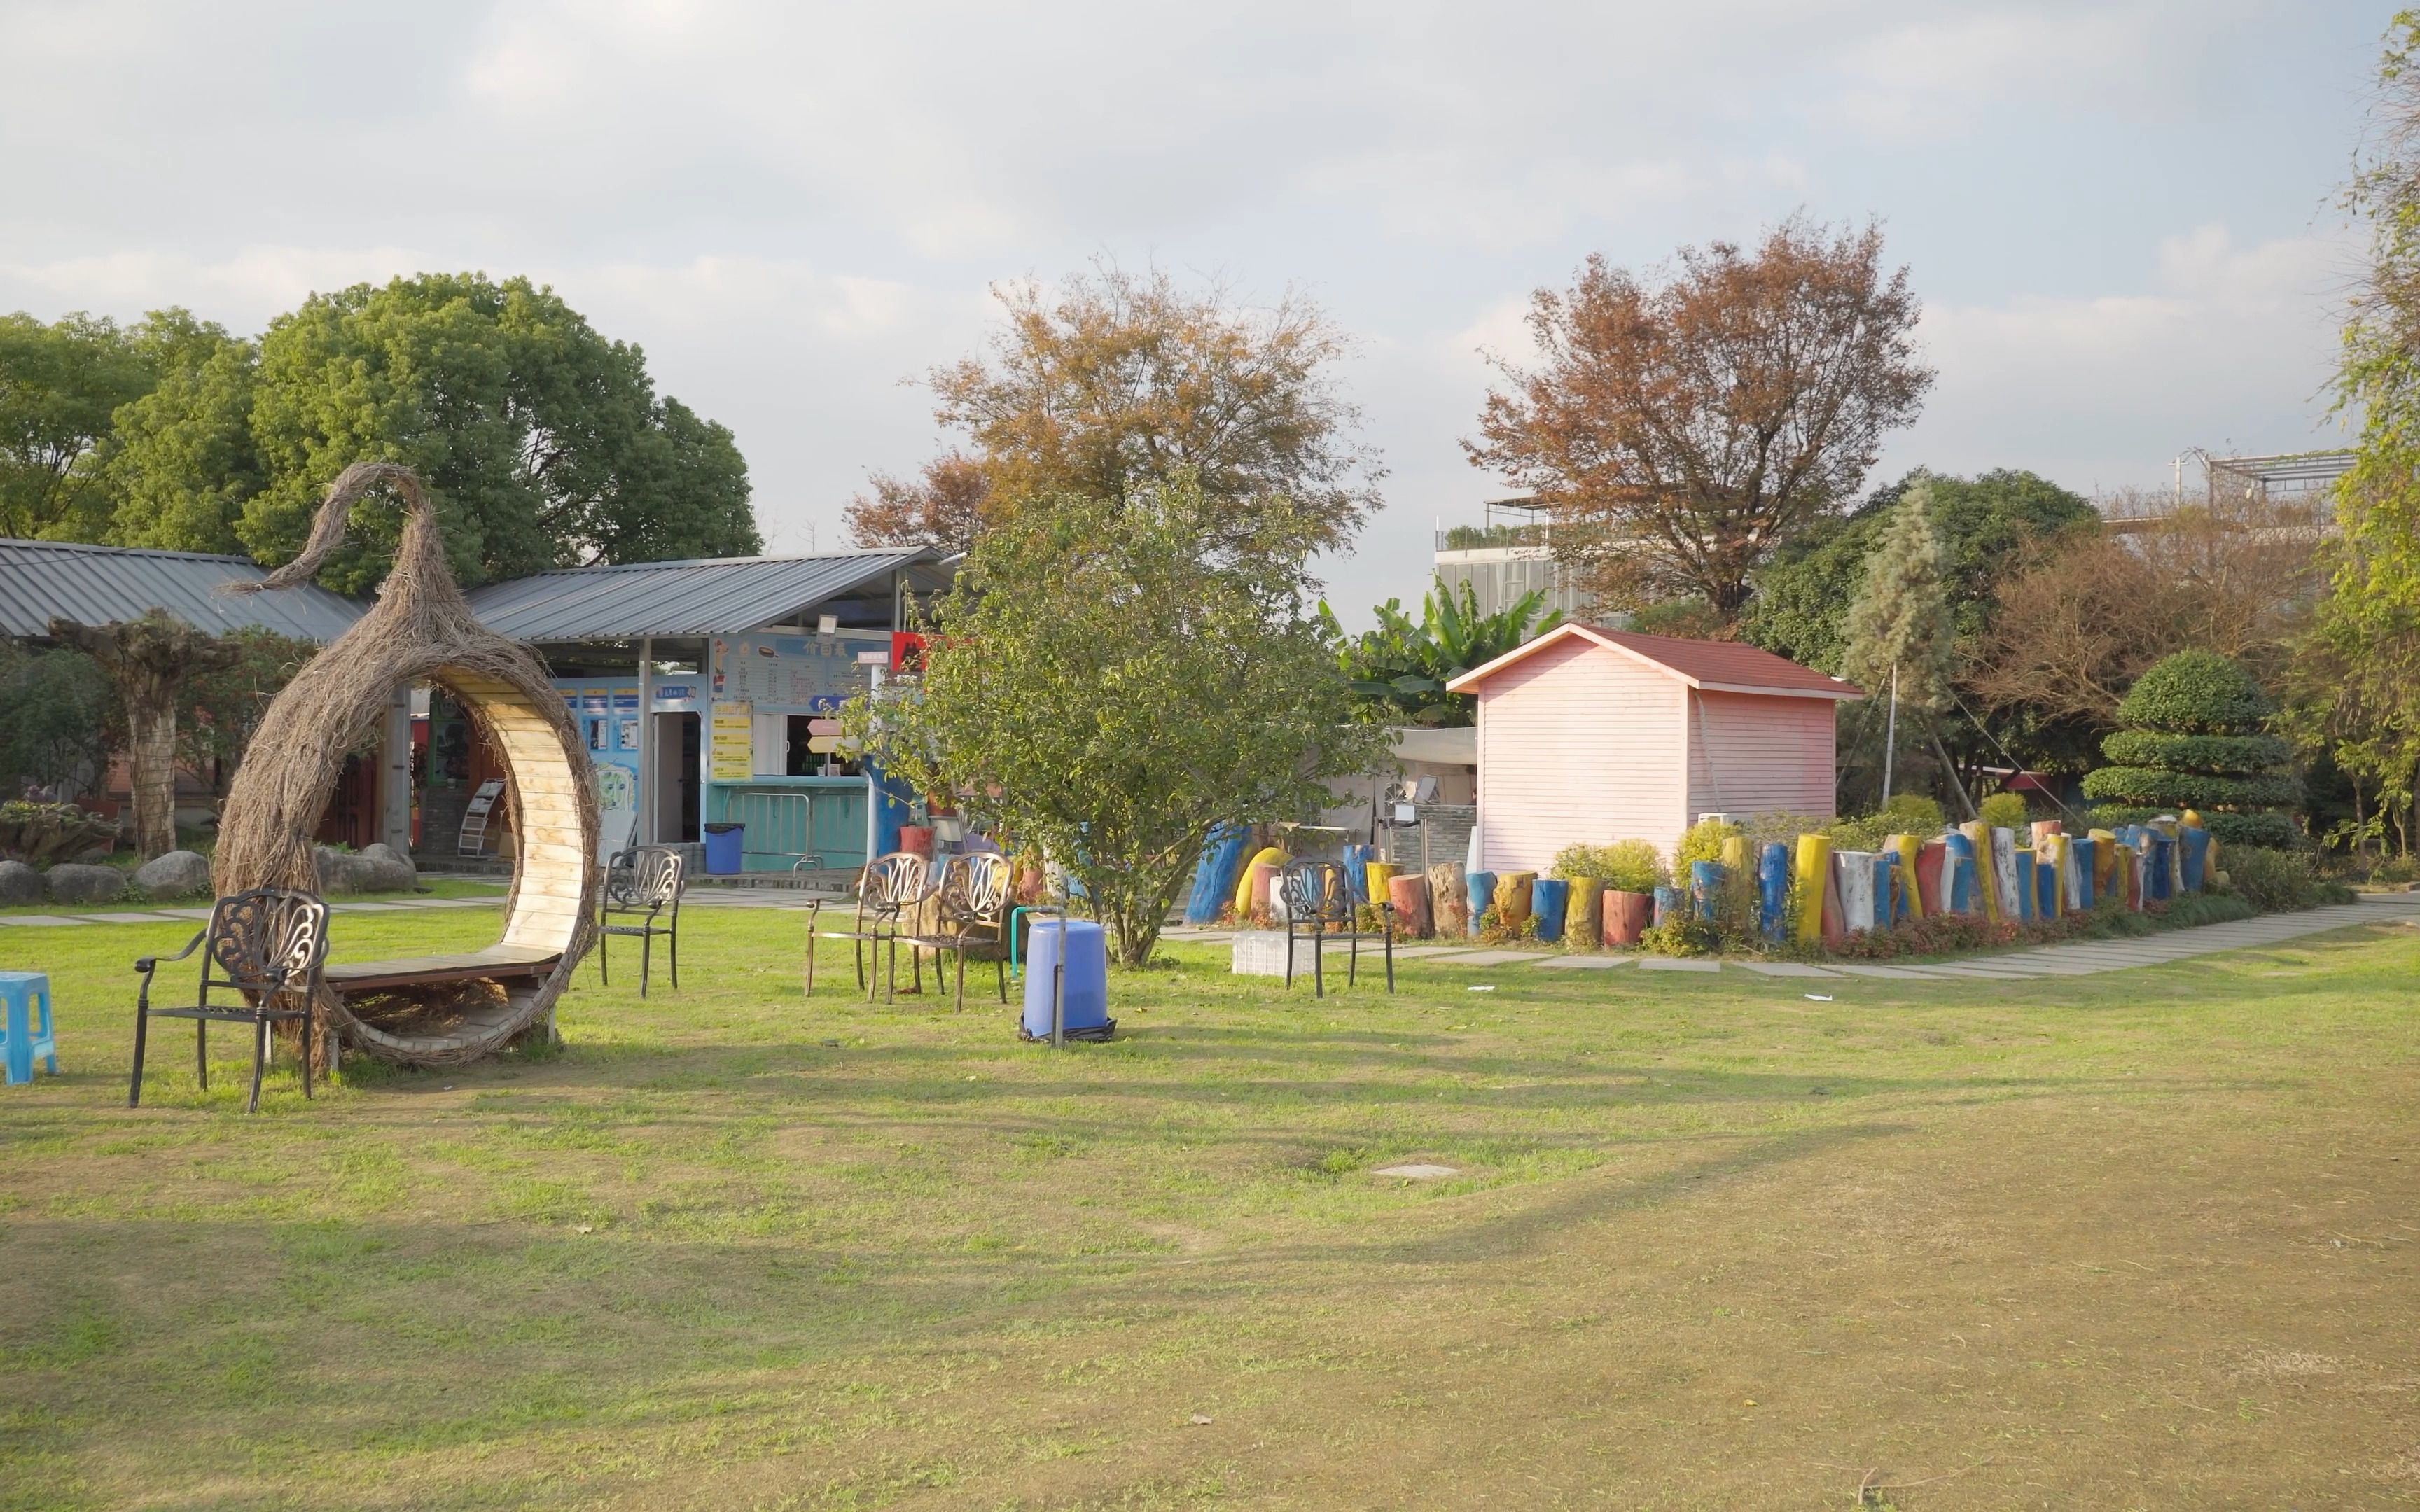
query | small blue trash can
[1087, 986]
[723, 844]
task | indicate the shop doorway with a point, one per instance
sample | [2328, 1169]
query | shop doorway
[671, 765]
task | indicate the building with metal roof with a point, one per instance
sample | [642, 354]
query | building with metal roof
[725, 595]
[97, 584]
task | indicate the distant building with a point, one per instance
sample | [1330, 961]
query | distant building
[1510, 555]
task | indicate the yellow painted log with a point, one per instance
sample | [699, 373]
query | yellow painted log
[1734, 856]
[1987, 890]
[1513, 898]
[1908, 847]
[1269, 855]
[1811, 869]
[1379, 875]
[1584, 916]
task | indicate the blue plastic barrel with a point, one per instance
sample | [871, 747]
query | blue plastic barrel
[723, 845]
[1957, 859]
[1670, 903]
[2197, 858]
[1088, 975]
[1772, 887]
[1550, 900]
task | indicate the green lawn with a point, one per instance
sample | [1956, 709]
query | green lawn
[2143, 1239]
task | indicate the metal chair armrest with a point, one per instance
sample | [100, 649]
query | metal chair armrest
[148, 963]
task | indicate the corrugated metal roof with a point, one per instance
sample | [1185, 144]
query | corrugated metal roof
[720, 596]
[1720, 666]
[96, 584]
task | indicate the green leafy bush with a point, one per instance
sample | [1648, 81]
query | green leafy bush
[2273, 881]
[1702, 841]
[2004, 811]
[1624, 866]
[1864, 834]
[2195, 693]
[2197, 754]
[1913, 813]
[1683, 933]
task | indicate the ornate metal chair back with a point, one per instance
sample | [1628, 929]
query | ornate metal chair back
[892, 882]
[265, 940]
[645, 879]
[974, 892]
[1315, 891]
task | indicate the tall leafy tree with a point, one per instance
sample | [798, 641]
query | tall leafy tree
[1112, 679]
[544, 443]
[181, 464]
[59, 384]
[1115, 384]
[1900, 630]
[54, 708]
[1683, 424]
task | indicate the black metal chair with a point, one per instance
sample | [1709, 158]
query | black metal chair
[1319, 906]
[886, 890]
[641, 883]
[269, 945]
[970, 907]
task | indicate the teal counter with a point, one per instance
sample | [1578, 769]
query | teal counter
[790, 817]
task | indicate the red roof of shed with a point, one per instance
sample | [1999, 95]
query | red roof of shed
[1720, 666]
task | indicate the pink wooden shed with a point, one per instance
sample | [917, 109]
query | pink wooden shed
[1588, 735]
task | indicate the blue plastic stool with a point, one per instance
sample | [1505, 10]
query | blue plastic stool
[27, 1036]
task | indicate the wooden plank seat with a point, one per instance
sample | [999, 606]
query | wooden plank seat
[497, 960]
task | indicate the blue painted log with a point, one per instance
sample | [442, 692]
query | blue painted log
[1480, 887]
[1772, 889]
[1550, 898]
[1705, 888]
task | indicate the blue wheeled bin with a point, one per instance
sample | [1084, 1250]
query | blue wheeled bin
[1086, 954]
[723, 844]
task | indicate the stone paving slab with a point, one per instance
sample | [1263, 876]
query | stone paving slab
[1788, 968]
[1979, 973]
[1678, 963]
[368, 908]
[1587, 963]
[1898, 973]
[1493, 957]
[1425, 953]
[124, 918]
[32, 920]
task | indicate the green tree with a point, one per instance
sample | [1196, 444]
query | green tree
[2195, 736]
[54, 708]
[181, 464]
[1902, 637]
[1405, 665]
[1802, 600]
[148, 661]
[59, 384]
[1112, 679]
[544, 443]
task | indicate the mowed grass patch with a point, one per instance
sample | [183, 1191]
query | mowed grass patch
[2135, 1240]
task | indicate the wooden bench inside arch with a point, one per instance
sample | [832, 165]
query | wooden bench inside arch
[543, 914]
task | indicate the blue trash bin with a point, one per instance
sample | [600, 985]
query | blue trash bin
[1086, 987]
[723, 844]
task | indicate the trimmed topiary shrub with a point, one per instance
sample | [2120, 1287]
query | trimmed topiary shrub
[2192, 739]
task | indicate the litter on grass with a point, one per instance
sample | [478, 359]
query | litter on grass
[1816, 997]
[1488, 989]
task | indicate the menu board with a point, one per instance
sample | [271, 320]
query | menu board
[791, 673]
[735, 734]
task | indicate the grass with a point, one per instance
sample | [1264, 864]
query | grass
[2139, 1239]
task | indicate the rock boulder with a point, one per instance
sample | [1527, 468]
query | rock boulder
[75, 884]
[177, 875]
[381, 868]
[21, 883]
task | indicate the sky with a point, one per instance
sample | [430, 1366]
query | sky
[2120, 214]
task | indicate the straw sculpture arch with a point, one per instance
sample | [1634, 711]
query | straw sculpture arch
[422, 629]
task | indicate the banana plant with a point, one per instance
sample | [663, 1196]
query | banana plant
[1407, 664]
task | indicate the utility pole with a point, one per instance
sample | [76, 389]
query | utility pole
[1890, 736]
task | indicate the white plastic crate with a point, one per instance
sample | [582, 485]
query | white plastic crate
[1262, 952]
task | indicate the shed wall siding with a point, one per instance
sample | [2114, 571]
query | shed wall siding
[1771, 755]
[1578, 744]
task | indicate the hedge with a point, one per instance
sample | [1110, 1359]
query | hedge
[2197, 754]
[2274, 830]
[2191, 790]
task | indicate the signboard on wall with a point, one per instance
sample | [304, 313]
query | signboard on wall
[789, 674]
[734, 732]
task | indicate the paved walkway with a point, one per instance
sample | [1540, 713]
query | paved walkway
[2082, 958]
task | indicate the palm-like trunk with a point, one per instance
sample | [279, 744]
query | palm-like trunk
[148, 659]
